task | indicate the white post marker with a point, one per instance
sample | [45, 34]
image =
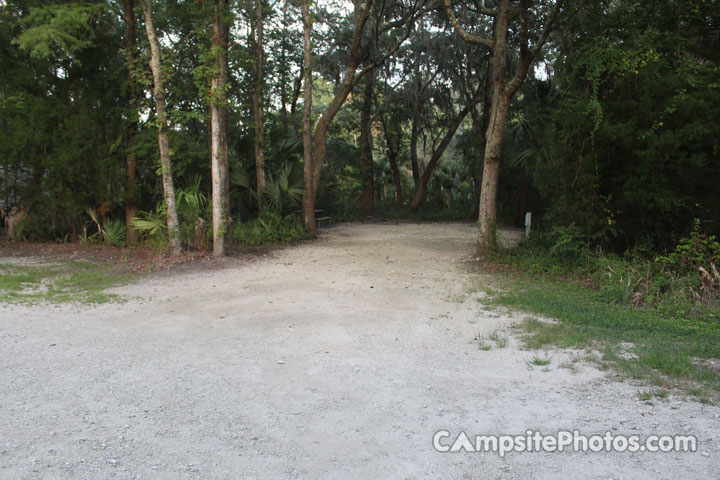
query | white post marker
[528, 220]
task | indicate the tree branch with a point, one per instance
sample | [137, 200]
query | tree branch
[468, 37]
[528, 55]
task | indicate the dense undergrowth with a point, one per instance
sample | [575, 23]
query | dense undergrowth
[270, 228]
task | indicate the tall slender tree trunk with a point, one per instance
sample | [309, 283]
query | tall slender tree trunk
[393, 149]
[297, 90]
[284, 67]
[162, 122]
[308, 202]
[130, 160]
[414, 131]
[258, 107]
[392, 159]
[222, 220]
[366, 149]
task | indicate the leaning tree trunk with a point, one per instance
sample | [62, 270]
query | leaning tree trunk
[222, 221]
[258, 108]
[436, 156]
[366, 150]
[308, 203]
[130, 159]
[162, 122]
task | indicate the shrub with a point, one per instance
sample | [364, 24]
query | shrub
[270, 228]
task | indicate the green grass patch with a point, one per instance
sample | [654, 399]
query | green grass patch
[538, 361]
[662, 347]
[66, 282]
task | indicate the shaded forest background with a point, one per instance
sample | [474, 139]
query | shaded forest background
[612, 140]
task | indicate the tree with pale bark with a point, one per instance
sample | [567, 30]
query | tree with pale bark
[161, 120]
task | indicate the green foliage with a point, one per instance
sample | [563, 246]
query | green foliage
[631, 136]
[685, 282]
[284, 189]
[110, 231]
[193, 215]
[638, 342]
[270, 229]
[693, 252]
[58, 30]
[151, 225]
[666, 307]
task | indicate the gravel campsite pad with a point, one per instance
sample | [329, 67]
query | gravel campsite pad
[338, 358]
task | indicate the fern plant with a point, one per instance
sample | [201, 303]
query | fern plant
[111, 232]
[150, 225]
[283, 188]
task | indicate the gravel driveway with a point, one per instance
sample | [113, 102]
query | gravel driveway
[335, 359]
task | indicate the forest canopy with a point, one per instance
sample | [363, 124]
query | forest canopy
[190, 120]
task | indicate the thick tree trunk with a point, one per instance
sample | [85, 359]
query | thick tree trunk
[366, 149]
[308, 202]
[222, 220]
[163, 141]
[497, 119]
[258, 108]
[491, 170]
[130, 160]
[436, 156]
[480, 124]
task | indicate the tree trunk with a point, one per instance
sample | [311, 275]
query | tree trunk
[499, 106]
[504, 86]
[491, 170]
[308, 202]
[366, 150]
[297, 89]
[222, 220]
[392, 153]
[163, 141]
[284, 67]
[397, 181]
[437, 154]
[258, 108]
[414, 131]
[350, 77]
[480, 124]
[130, 160]
[319, 138]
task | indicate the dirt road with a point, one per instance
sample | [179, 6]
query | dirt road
[335, 359]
